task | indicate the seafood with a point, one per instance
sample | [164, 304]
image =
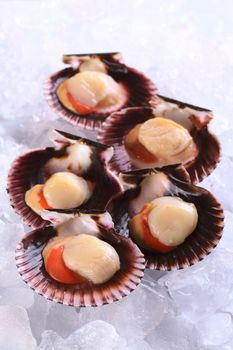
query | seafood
[169, 133]
[174, 223]
[55, 266]
[72, 174]
[94, 86]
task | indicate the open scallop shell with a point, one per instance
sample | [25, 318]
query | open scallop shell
[27, 170]
[139, 88]
[195, 119]
[196, 246]
[30, 265]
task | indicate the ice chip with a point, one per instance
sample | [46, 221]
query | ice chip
[215, 329]
[52, 341]
[95, 335]
[39, 311]
[19, 296]
[174, 333]
[137, 344]
[199, 71]
[137, 314]
[64, 325]
[204, 286]
[220, 182]
[226, 241]
[10, 234]
[15, 331]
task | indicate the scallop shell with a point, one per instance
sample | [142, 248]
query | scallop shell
[196, 246]
[140, 89]
[27, 170]
[118, 125]
[30, 265]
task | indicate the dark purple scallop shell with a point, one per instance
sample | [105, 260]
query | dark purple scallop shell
[134, 177]
[30, 265]
[139, 87]
[199, 244]
[27, 171]
[118, 125]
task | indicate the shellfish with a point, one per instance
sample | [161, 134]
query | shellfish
[31, 258]
[95, 85]
[170, 132]
[73, 174]
[150, 206]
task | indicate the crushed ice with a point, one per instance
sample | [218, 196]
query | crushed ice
[187, 50]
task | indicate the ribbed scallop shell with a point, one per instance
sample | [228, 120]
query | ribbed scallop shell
[30, 265]
[199, 244]
[140, 89]
[27, 170]
[118, 125]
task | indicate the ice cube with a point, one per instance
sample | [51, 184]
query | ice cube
[15, 331]
[204, 286]
[215, 329]
[38, 131]
[9, 275]
[10, 234]
[38, 313]
[95, 335]
[137, 344]
[226, 241]
[64, 325]
[226, 346]
[9, 150]
[226, 139]
[220, 182]
[19, 296]
[136, 314]
[174, 333]
[6, 259]
[52, 341]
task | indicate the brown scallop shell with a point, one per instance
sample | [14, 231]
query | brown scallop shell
[30, 265]
[199, 244]
[118, 125]
[27, 171]
[140, 88]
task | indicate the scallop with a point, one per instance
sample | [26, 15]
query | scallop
[163, 224]
[175, 223]
[91, 258]
[94, 86]
[72, 174]
[100, 284]
[169, 133]
[65, 190]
